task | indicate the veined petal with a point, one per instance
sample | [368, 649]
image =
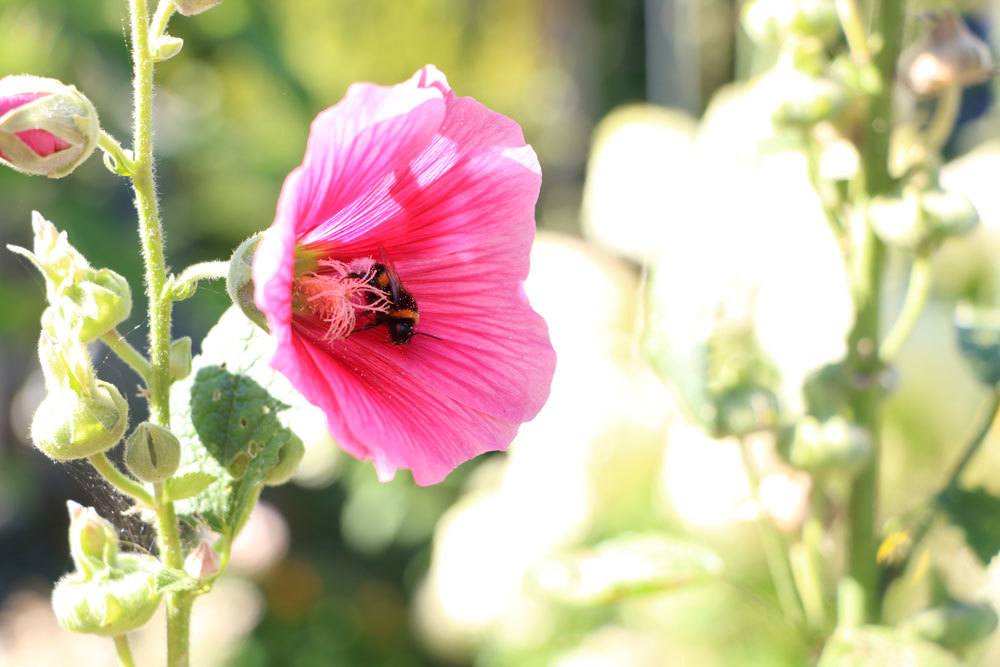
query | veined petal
[376, 413]
[356, 144]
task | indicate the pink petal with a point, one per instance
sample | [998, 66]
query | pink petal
[43, 143]
[358, 143]
[381, 415]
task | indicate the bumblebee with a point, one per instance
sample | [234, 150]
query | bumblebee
[402, 315]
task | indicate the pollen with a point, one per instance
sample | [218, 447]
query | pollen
[340, 293]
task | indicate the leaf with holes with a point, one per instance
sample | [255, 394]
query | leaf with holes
[977, 513]
[228, 419]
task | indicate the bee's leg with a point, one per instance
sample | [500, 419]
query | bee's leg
[367, 327]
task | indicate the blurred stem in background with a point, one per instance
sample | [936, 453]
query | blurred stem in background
[863, 362]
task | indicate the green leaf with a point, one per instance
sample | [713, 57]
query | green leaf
[870, 646]
[628, 565]
[170, 580]
[228, 415]
[977, 513]
[186, 486]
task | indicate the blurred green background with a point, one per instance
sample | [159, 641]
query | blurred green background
[337, 569]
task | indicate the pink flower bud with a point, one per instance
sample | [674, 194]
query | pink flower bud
[47, 128]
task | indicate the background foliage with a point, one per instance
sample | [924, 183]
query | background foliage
[464, 573]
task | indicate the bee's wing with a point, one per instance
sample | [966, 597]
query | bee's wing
[394, 282]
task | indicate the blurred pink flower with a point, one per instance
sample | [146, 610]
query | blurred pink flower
[42, 142]
[442, 362]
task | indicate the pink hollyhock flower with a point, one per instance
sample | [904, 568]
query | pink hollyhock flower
[391, 278]
[47, 128]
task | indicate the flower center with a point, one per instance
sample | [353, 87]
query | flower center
[339, 293]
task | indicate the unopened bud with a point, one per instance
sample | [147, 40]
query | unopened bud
[803, 95]
[180, 358]
[93, 540]
[289, 458]
[91, 301]
[949, 55]
[166, 47]
[978, 332]
[47, 128]
[111, 602]
[202, 563]
[773, 21]
[239, 282]
[71, 425]
[834, 444]
[192, 7]
[152, 453]
[918, 220]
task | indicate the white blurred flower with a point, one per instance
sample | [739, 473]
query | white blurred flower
[635, 178]
[704, 481]
[599, 436]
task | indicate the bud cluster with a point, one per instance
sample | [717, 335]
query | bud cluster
[80, 415]
[109, 593]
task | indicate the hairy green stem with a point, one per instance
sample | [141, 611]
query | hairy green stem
[151, 235]
[863, 363]
[913, 304]
[124, 651]
[122, 160]
[131, 356]
[109, 471]
[217, 270]
[161, 18]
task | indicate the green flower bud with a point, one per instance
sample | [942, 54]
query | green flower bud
[180, 358]
[91, 301]
[69, 425]
[166, 47]
[802, 94]
[93, 540]
[919, 221]
[48, 128]
[239, 282]
[111, 602]
[773, 21]
[954, 625]
[193, 7]
[978, 332]
[949, 55]
[289, 458]
[830, 445]
[152, 453]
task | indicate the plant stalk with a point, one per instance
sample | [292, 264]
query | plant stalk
[124, 651]
[863, 362]
[103, 465]
[131, 356]
[151, 236]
